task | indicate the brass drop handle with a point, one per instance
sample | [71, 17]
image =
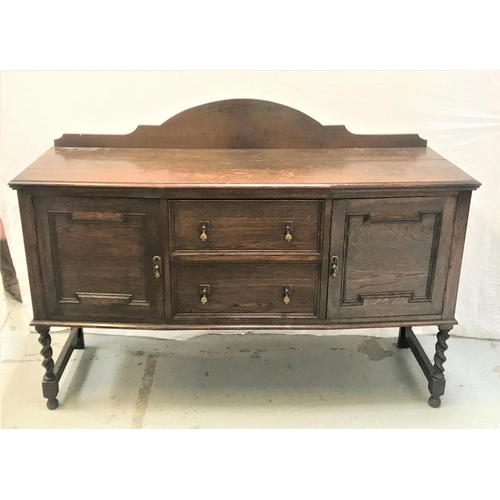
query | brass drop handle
[157, 266]
[203, 228]
[204, 291]
[287, 290]
[288, 227]
[335, 266]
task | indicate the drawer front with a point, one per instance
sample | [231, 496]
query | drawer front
[246, 225]
[245, 289]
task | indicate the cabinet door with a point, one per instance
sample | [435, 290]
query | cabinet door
[96, 258]
[392, 257]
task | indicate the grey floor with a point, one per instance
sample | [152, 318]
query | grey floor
[245, 381]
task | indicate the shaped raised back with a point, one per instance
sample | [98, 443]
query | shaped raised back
[241, 124]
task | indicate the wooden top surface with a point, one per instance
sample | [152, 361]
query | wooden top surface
[342, 168]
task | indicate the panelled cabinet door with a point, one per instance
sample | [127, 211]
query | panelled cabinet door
[98, 258]
[389, 257]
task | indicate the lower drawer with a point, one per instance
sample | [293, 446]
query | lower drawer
[260, 290]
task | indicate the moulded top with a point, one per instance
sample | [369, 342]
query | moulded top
[381, 168]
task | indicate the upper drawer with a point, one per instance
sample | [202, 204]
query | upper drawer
[246, 225]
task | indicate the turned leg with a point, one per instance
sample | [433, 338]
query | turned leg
[50, 384]
[402, 339]
[437, 381]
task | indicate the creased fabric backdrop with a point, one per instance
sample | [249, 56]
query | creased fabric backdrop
[457, 112]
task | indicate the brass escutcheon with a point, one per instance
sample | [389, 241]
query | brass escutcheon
[157, 266]
[335, 266]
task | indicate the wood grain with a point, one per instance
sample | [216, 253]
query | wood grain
[240, 123]
[99, 211]
[255, 289]
[210, 324]
[32, 251]
[242, 168]
[246, 225]
[166, 293]
[457, 250]
[102, 266]
[393, 256]
[240, 193]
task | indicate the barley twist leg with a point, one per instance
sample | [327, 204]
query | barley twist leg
[437, 382]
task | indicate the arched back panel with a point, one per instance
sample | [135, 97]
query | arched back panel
[241, 124]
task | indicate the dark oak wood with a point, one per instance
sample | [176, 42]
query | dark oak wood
[457, 250]
[97, 258]
[50, 384]
[437, 381]
[238, 168]
[246, 225]
[238, 124]
[237, 193]
[46, 352]
[410, 340]
[402, 338]
[254, 324]
[325, 258]
[246, 255]
[53, 372]
[392, 255]
[242, 289]
[433, 372]
[31, 248]
[243, 214]
[74, 341]
[165, 231]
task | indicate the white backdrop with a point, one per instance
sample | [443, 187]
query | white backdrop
[457, 112]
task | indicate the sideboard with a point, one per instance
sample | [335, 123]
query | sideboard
[243, 214]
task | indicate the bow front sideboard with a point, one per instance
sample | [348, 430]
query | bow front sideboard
[243, 214]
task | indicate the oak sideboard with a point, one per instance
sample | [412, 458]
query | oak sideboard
[243, 214]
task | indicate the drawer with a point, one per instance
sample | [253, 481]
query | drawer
[246, 225]
[249, 289]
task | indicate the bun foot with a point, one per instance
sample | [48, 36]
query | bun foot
[52, 404]
[434, 402]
